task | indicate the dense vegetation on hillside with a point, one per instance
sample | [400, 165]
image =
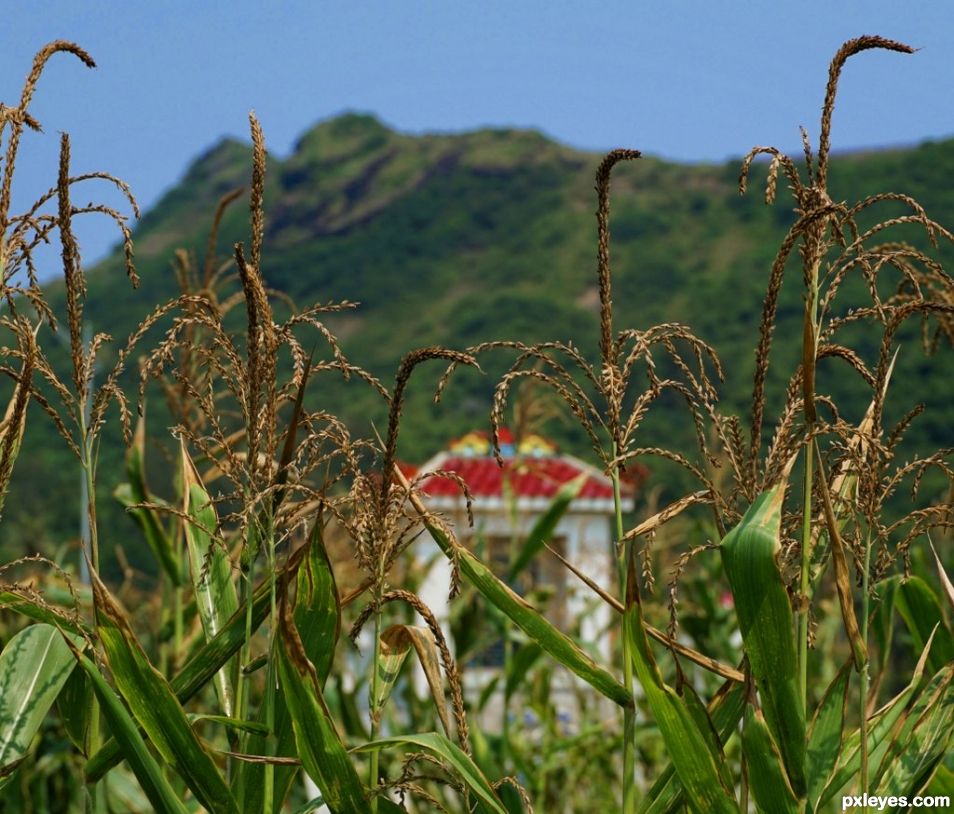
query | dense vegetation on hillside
[777, 631]
[456, 239]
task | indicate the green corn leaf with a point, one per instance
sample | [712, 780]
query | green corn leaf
[826, 733]
[942, 575]
[201, 667]
[711, 736]
[942, 783]
[136, 492]
[215, 653]
[73, 704]
[766, 621]
[230, 723]
[455, 758]
[666, 795]
[922, 742]
[525, 616]
[690, 749]
[546, 524]
[768, 780]
[537, 627]
[154, 705]
[488, 692]
[25, 605]
[34, 666]
[318, 622]
[164, 800]
[880, 726]
[920, 608]
[311, 806]
[322, 754]
[211, 569]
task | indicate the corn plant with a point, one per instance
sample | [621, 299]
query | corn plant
[230, 688]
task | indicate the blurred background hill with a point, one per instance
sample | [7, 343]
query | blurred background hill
[455, 239]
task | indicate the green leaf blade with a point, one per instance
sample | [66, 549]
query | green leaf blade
[527, 618]
[153, 703]
[215, 593]
[767, 777]
[766, 621]
[691, 752]
[34, 667]
[157, 789]
[322, 754]
[448, 751]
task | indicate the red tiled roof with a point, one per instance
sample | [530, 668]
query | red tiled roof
[529, 477]
[535, 469]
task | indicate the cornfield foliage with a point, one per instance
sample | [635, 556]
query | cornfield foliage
[826, 668]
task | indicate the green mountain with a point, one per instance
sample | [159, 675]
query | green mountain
[457, 239]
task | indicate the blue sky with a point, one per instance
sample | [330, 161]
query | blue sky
[692, 81]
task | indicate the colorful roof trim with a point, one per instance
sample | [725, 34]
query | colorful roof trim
[533, 467]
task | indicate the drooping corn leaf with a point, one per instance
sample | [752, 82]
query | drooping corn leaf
[691, 750]
[26, 605]
[153, 704]
[455, 758]
[34, 666]
[318, 622]
[766, 622]
[396, 642]
[211, 568]
[163, 798]
[725, 711]
[545, 525]
[524, 615]
[768, 780]
[826, 733]
[135, 492]
[319, 746]
[230, 723]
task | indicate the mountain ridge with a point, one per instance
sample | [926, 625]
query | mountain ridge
[455, 239]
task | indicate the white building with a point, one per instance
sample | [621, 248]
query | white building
[506, 502]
